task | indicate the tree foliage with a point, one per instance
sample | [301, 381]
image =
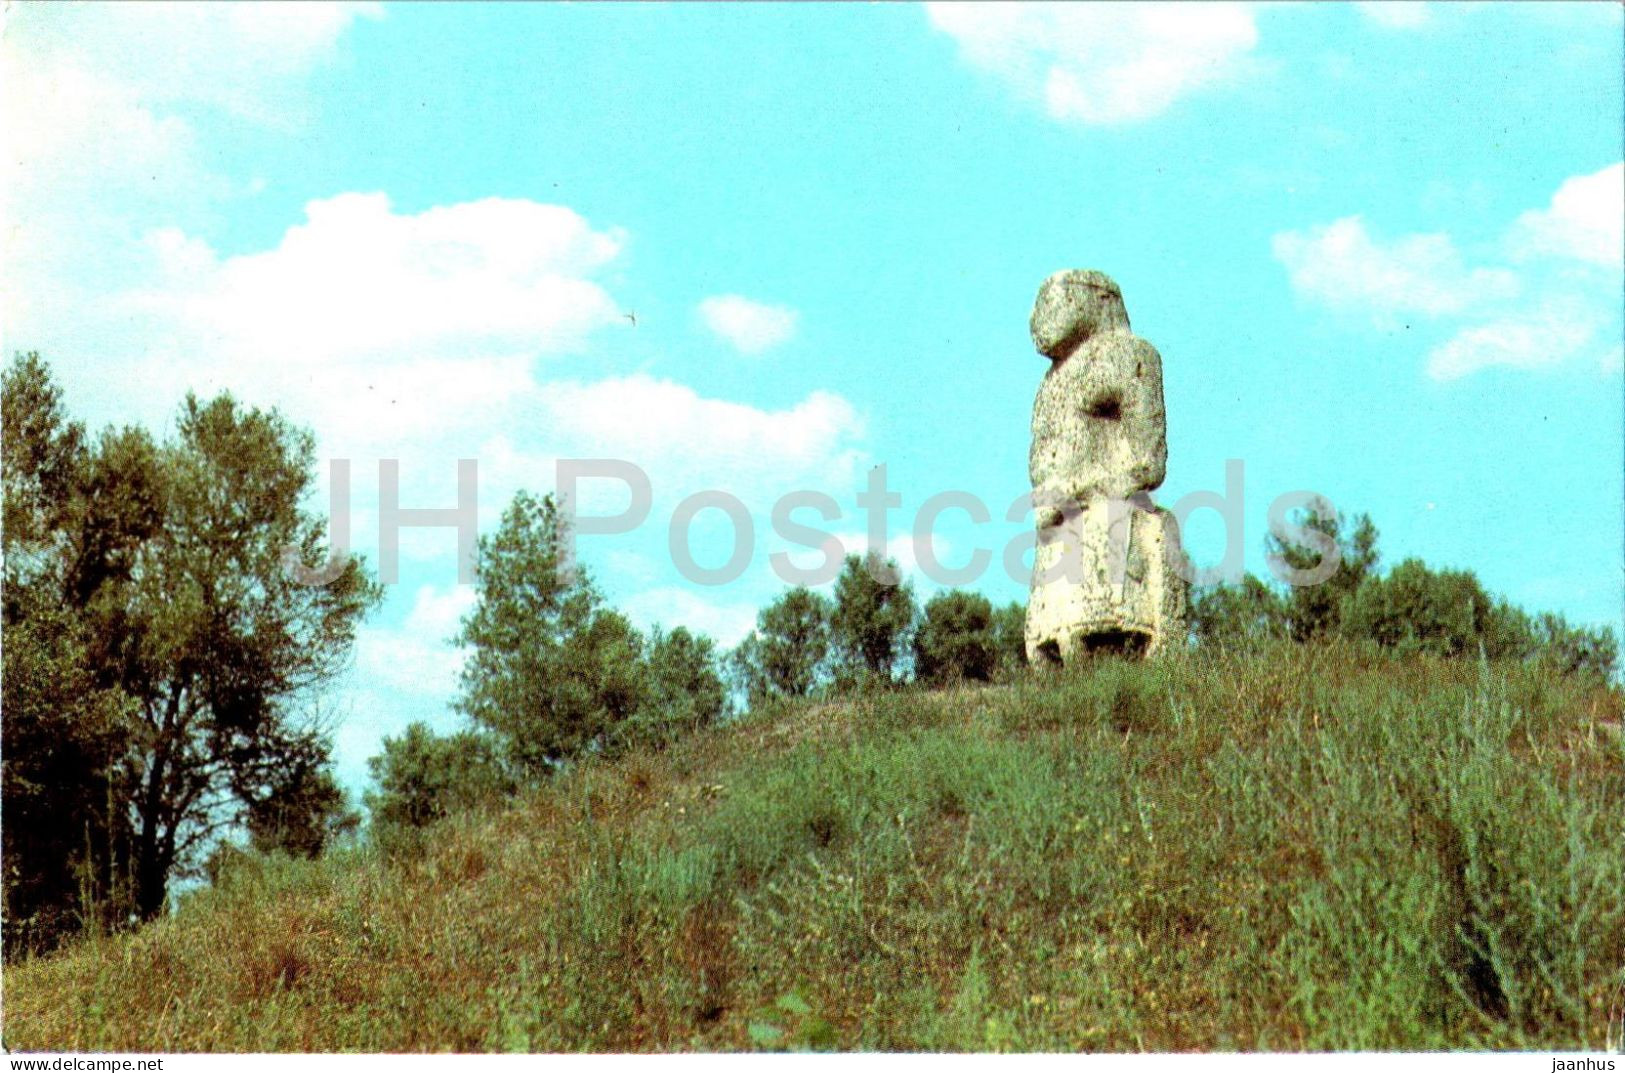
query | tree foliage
[1313, 611]
[956, 640]
[222, 650]
[787, 655]
[421, 777]
[1243, 612]
[1586, 652]
[685, 691]
[66, 828]
[1010, 636]
[1414, 609]
[873, 615]
[150, 575]
[1417, 609]
[553, 672]
[549, 669]
[302, 812]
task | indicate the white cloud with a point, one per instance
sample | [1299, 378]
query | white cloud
[1585, 220]
[725, 623]
[99, 101]
[418, 656]
[416, 336]
[1532, 340]
[1102, 63]
[357, 279]
[751, 327]
[379, 328]
[1396, 14]
[1342, 265]
[101, 106]
[1559, 304]
[668, 427]
[248, 60]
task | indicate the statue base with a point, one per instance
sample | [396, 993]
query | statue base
[1108, 578]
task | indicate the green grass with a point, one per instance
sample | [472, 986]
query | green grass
[1304, 848]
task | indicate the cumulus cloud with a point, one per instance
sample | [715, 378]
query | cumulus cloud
[1585, 221]
[379, 328]
[1342, 265]
[418, 655]
[424, 337]
[248, 60]
[1549, 294]
[751, 327]
[358, 279]
[1102, 63]
[1532, 340]
[669, 427]
[98, 127]
[101, 106]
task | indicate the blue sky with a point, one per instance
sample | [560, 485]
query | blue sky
[1378, 246]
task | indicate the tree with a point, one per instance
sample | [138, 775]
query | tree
[1241, 613]
[303, 811]
[1314, 611]
[44, 454]
[787, 653]
[956, 639]
[67, 835]
[165, 561]
[200, 623]
[551, 671]
[685, 691]
[422, 777]
[871, 621]
[1576, 650]
[62, 791]
[1010, 636]
[1417, 609]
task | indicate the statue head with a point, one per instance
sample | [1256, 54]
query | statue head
[1072, 306]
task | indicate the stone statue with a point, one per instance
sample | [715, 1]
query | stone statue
[1109, 572]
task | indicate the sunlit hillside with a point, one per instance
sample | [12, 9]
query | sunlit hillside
[1304, 847]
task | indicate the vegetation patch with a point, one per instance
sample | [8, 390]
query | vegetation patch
[1292, 847]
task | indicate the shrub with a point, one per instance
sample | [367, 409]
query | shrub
[423, 777]
[684, 691]
[956, 640]
[1010, 636]
[1418, 610]
[1576, 650]
[305, 812]
[1315, 610]
[1246, 612]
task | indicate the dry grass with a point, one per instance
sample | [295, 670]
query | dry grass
[1300, 848]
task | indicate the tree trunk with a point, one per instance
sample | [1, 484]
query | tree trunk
[151, 870]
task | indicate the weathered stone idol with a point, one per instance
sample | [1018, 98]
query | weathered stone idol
[1108, 572]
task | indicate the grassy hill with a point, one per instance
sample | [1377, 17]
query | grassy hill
[1300, 848]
